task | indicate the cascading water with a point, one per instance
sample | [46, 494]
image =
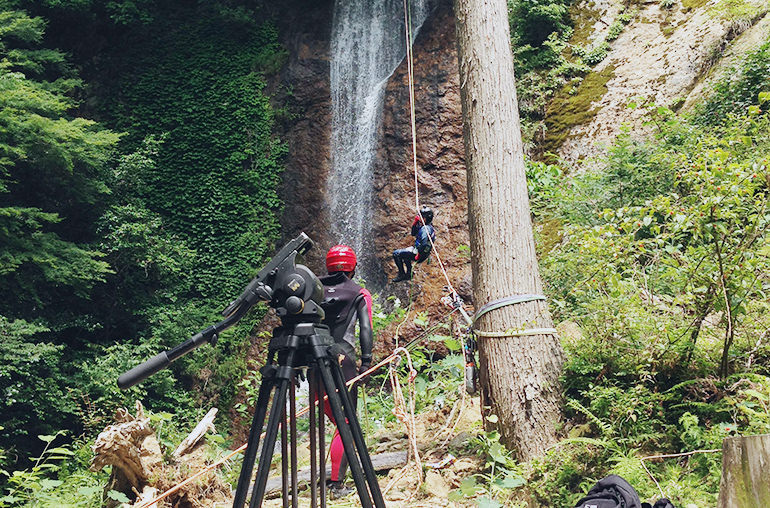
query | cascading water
[367, 44]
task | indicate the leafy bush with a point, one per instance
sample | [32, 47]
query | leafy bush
[533, 21]
[660, 279]
[58, 477]
[53, 174]
[617, 26]
[738, 89]
[500, 477]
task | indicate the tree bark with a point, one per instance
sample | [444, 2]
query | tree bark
[745, 479]
[519, 374]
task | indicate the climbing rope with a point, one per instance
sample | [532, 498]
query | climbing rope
[402, 410]
[405, 412]
[453, 293]
[410, 80]
[413, 124]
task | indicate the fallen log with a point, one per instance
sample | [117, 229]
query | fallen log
[197, 433]
[131, 448]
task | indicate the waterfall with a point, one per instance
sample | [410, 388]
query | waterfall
[367, 44]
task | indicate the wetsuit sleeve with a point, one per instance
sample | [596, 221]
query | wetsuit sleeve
[368, 299]
[416, 225]
[365, 334]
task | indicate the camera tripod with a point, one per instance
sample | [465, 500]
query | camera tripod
[306, 345]
[301, 341]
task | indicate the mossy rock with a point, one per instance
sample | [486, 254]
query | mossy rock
[584, 17]
[688, 5]
[568, 110]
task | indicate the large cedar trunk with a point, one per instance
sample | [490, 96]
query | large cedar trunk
[519, 375]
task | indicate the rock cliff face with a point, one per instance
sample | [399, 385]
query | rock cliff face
[662, 55]
[440, 161]
[304, 88]
[440, 165]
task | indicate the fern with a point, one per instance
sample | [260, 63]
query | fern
[684, 384]
[610, 445]
[577, 406]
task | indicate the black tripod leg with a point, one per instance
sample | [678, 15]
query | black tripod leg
[321, 440]
[293, 442]
[324, 366]
[358, 436]
[242, 490]
[284, 459]
[313, 398]
[283, 374]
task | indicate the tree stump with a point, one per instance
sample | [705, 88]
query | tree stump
[131, 448]
[745, 472]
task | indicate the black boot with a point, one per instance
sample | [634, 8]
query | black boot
[400, 277]
[338, 489]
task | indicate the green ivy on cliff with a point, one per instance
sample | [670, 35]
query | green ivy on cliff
[200, 84]
[196, 81]
[111, 257]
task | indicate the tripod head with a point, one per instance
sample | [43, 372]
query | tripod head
[292, 290]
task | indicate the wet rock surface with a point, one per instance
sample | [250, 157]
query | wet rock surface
[306, 125]
[440, 167]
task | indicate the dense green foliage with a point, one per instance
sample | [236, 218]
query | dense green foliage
[737, 94]
[532, 21]
[53, 173]
[199, 83]
[659, 274]
[194, 83]
[114, 246]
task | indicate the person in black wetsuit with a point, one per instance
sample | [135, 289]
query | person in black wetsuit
[346, 305]
[424, 237]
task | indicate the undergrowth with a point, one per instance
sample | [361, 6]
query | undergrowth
[656, 260]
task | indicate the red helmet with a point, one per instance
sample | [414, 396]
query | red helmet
[340, 258]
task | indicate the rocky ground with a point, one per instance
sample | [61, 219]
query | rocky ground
[443, 439]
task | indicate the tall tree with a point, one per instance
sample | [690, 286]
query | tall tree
[519, 372]
[53, 173]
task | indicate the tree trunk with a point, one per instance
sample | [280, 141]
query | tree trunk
[519, 374]
[745, 476]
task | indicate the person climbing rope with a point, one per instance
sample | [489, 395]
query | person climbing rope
[424, 236]
[346, 305]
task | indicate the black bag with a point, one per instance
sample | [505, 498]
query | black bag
[611, 492]
[615, 492]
